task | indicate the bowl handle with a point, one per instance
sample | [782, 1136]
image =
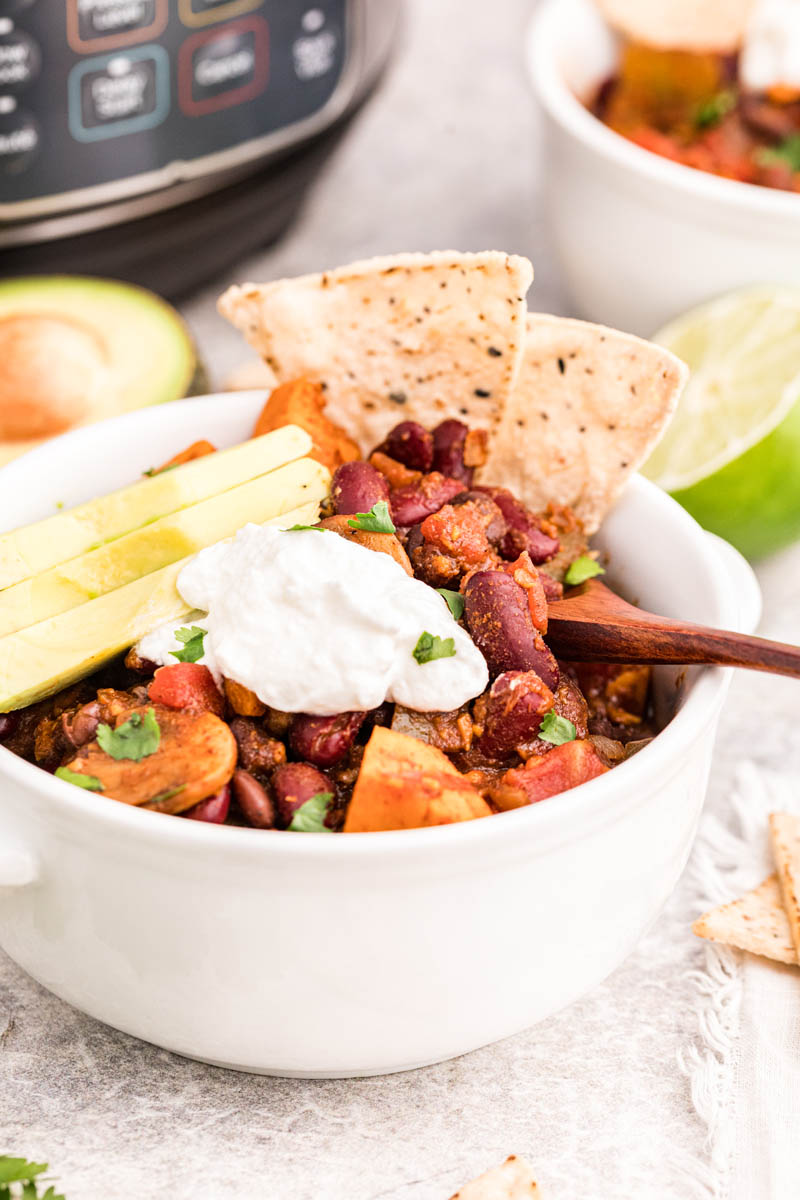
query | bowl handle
[743, 581]
[17, 869]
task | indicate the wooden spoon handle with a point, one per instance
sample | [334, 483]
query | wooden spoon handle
[662, 641]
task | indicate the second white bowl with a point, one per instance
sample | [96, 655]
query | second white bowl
[641, 238]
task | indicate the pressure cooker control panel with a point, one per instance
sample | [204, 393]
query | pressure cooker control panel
[101, 99]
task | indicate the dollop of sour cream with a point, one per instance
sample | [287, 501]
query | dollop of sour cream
[314, 623]
[771, 51]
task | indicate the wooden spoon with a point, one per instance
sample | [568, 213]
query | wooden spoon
[592, 624]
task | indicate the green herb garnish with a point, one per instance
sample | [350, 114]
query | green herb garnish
[192, 640]
[429, 647]
[581, 569]
[712, 111]
[136, 738]
[785, 154]
[151, 471]
[310, 817]
[455, 601]
[377, 520]
[167, 794]
[19, 1170]
[556, 729]
[90, 782]
[300, 528]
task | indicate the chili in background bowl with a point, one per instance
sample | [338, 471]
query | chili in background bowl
[640, 238]
[363, 953]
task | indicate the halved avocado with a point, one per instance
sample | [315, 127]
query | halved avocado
[74, 349]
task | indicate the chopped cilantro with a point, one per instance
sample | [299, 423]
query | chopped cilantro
[786, 153]
[151, 471]
[556, 729]
[711, 111]
[136, 738]
[377, 520]
[429, 647]
[310, 817]
[167, 794]
[192, 641]
[581, 569]
[90, 782]
[300, 528]
[455, 601]
[19, 1170]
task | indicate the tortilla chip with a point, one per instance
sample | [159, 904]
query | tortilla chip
[712, 25]
[512, 1180]
[757, 922]
[412, 337]
[589, 405]
[785, 834]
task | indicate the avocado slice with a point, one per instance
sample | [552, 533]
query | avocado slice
[40, 660]
[76, 349]
[158, 544]
[31, 549]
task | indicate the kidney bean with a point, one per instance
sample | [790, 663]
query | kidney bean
[499, 619]
[324, 741]
[553, 590]
[524, 532]
[294, 784]
[516, 703]
[257, 750]
[254, 801]
[410, 444]
[448, 450]
[214, 810]
[413, 504]
[80, 727]
[356, 487]
[8, 725]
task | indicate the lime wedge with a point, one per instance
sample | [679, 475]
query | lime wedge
[731, 455]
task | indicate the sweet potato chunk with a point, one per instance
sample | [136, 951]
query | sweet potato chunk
[195, 759]
[383, 543]
[301, 402]
[406, 784]
[562, 768]
[196, 450]
[242, 700]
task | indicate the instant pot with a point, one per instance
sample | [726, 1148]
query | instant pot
[159, 140]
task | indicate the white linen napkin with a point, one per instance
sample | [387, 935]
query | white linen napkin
[744, 1069]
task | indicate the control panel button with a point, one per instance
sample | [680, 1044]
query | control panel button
[208, 12]
[20, 137]
[119, 93]
[224, 67]
[20, 58]
[315, 55]
[111, 24]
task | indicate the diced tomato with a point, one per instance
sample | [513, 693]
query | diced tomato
[187, 685]
[526, 575]
[561, 768]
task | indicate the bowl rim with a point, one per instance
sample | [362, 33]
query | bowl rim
[545, 36]
[560, 817]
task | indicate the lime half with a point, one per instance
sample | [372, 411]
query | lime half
[731, 455]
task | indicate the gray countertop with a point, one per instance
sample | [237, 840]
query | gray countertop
[444, 156]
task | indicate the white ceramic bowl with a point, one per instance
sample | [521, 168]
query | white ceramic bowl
[362, 953]
[640, 238]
